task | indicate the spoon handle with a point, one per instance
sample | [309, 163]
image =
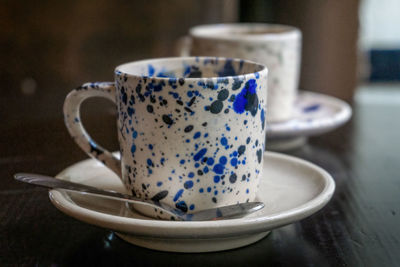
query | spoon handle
[54, 183]
[50, 182]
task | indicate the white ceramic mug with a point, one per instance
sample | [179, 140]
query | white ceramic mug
[191, 130]
[276, 46]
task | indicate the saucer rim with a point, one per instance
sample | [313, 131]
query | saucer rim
[293, 128]
[203, 229]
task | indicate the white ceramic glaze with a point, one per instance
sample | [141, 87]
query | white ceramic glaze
[291, 189]
[276, 46]
[191, 130]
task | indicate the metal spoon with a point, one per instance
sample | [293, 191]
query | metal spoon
[163, 211]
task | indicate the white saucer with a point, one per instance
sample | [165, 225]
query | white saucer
[314, 114]
[291, 189]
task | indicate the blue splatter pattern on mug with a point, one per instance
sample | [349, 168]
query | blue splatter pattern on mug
[193, 134]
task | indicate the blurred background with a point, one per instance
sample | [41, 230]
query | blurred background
[50, 47]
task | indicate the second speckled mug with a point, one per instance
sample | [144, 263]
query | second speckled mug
[191, 130]
[276, 46]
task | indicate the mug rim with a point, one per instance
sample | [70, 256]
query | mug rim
[119, 72]
[213, 32]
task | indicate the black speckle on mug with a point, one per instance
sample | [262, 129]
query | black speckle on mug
[216, 106]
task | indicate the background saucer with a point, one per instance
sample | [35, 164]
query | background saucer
[314, 114]
[291, 188]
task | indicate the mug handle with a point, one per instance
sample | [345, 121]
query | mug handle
[182, 46]
[75, 127]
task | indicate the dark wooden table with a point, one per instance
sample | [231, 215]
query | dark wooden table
[360, 226]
